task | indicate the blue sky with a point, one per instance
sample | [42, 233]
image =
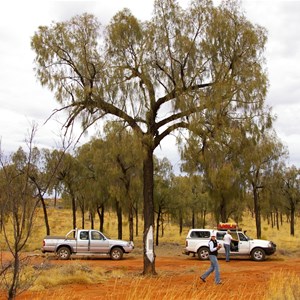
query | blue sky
[23, 101]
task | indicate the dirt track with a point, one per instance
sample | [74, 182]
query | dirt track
[178, 278]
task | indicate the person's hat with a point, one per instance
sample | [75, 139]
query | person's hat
[213, 233]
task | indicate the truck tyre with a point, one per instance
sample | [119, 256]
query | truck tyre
[203, 253]
[64, 253]
[116, 253]
[258, 254]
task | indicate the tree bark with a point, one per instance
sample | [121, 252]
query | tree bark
[203, 218]
[92, 219]
[74, 211]
[130, 221]
[193, 218]
[180, 223]
[120, 219]
[12, 291]
[292, 224]
[157, 226]
[100, 212]
[149, 254]
[136, 221]
[223, 209]
[277, 219]
[82, 216]
[257, 212]
[45, 215]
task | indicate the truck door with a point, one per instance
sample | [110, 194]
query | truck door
[99, 244]
[234, 246]
[244, 245]
[83, 241]
[220, 237]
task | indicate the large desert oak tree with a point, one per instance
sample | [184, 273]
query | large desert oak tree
[158, 76]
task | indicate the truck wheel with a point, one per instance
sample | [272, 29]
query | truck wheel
[258, 254]
[203, 253]
[116, 253]
[63, 253]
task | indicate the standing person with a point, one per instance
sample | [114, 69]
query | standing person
[214, 265]
[227, 242]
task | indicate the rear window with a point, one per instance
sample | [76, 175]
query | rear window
[200, 234]
[220, 235]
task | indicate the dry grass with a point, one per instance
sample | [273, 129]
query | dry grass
[60, 221]
[283, 286]
[72, 273]
[146, 288]
[280, 286]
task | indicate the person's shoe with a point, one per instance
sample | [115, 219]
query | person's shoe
[220, 282]
[203, 280]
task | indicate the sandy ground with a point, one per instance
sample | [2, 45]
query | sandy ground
[177, 278]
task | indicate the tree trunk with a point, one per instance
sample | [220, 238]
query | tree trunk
[136, 221]
[92, 220]
[74, 211]
[149, 254]
[292, 224]
[12, 291]
[45, 215]
[130, 221]
[277, 219]
[82, 216]
[120, 220]
[157, 226]
[162, 224]
[193, 218]
[55, 197]
[223, 209]
[257, 212]
[180, 222]
[100, 212]
[204, 218]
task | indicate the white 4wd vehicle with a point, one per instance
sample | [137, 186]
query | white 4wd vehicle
[197, 243]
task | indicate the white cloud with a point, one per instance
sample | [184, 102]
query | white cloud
[23, 100]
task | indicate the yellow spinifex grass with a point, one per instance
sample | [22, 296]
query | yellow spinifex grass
[71, 273]
[60, 221]
[283, 286]
[141, 288]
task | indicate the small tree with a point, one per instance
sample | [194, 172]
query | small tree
[291, 191]
[163, 175]
[18, 210]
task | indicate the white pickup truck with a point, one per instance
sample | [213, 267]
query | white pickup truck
[86, 242]
[197, 243]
